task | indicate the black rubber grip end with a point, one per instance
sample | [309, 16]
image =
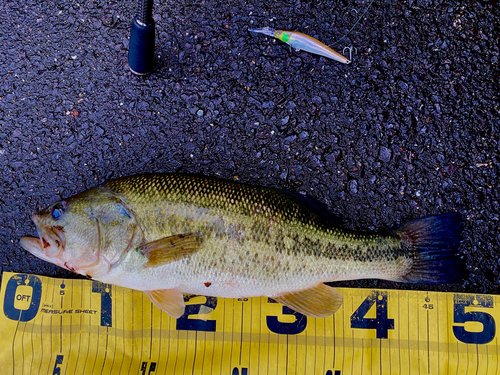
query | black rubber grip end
[141, 48]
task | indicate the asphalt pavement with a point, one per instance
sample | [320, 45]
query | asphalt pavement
[410, 128]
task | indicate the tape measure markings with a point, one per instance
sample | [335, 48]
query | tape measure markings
[76, 322]
[274, 339]
[44, 329]
[85, 338]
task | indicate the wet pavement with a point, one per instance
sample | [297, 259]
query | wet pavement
[409, 129]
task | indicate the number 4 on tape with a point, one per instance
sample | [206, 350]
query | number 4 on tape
[381, 323]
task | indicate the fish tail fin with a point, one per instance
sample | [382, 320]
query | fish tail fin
[434, 242]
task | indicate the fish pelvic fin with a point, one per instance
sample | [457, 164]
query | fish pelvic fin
[434, 242]
[170, 249]
[318, 302]
[170, 301]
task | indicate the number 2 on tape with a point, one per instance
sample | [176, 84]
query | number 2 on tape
[184, 323]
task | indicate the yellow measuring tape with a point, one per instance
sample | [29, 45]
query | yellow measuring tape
[63, 326]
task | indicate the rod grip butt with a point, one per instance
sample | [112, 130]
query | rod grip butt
[141, 47]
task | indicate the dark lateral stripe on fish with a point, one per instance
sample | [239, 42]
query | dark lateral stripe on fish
[317, 248]
[427, 244]
[281, 206]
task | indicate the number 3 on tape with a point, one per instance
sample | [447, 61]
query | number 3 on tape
[381, 322]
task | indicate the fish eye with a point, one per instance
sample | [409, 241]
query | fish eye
[58, 210]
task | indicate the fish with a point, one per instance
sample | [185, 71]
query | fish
[303, 42]
[171, 235]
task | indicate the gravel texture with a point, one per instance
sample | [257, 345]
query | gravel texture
[409, 129]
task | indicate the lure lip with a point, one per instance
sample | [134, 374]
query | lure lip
[264, 30]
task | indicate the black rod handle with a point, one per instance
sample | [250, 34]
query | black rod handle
[142, 39]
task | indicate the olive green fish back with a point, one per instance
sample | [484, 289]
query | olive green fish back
[228, 196]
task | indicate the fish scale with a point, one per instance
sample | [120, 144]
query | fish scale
[251, 202]
[167, 234]
[233, 199]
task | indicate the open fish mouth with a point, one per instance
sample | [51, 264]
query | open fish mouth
[34, 246]
[48, 246]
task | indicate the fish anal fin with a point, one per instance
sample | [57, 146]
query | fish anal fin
[170, 301]
[318, 302]
[170, 249]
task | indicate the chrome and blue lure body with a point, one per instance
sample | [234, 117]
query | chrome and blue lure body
[302, 42]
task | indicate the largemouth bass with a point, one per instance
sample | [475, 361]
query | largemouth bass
[169, 235]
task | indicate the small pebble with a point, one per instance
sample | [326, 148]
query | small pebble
[385, 154]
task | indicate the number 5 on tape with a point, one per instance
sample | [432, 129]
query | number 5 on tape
[461, 301]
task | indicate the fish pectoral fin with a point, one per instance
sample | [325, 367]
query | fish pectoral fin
[170, 249]
[318, 302]
[170, 301]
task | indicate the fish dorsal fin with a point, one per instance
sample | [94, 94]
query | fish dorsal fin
[318, 302]
[170, 301]
[314, 206]
[170, 249]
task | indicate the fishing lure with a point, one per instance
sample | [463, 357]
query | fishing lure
[302, 42]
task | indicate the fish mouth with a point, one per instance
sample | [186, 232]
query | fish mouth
[33, 245]
[50, 244]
